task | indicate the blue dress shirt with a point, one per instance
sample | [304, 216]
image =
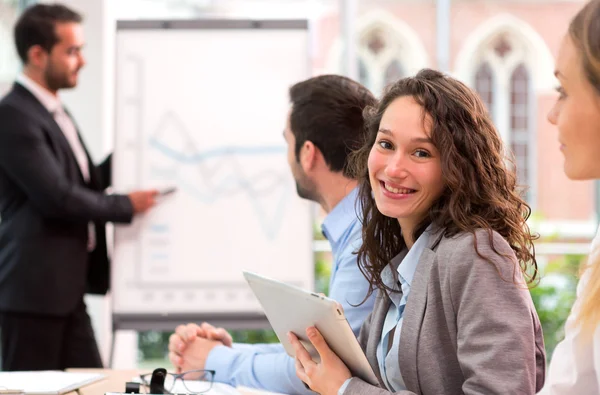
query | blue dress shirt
[267, 366]
[387, 357]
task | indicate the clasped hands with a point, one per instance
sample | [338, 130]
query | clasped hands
[191, 344]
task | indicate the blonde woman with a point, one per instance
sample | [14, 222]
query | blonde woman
[575, 366]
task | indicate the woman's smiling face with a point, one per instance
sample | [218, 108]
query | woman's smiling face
[404, 166]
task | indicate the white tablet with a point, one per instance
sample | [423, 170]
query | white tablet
[292, 309]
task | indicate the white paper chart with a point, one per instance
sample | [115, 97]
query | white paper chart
[203, 109]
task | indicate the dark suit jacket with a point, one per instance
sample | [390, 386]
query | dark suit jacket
[45, 208]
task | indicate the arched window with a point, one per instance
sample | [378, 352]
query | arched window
[379, 61]
[393, 72]
[387, 49]
[484, 85]
[503, 81]
[519, 131]
[363, 74]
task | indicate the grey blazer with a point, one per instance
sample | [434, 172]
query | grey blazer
[467, 329]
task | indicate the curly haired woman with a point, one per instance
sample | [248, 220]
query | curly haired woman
[446, 246]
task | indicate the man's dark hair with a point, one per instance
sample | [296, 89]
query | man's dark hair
[328, 111]
[36, 26]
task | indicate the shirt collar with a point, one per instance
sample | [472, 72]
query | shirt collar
[406, 262]
[48, 100]
[406, 270]
[340, 218]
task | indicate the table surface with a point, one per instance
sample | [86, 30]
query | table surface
[115, 382]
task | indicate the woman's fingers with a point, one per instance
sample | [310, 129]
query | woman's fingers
[302, 354]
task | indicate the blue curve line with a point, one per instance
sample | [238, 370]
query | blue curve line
[221, 151]
[270, 229]
[217, 191]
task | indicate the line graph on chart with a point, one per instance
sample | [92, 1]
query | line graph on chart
[235, 205]
[210, 175]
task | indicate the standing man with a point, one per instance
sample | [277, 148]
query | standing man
[324, 125]
[52, 204]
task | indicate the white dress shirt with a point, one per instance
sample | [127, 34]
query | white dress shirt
[54, 106]
[575, 365]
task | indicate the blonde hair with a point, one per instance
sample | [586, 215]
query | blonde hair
[585, 33]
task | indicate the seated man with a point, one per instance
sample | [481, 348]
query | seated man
[324, 125]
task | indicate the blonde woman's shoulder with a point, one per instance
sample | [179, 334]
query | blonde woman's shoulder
[590, 261]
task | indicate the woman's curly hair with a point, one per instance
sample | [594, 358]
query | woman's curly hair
[480, 185]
